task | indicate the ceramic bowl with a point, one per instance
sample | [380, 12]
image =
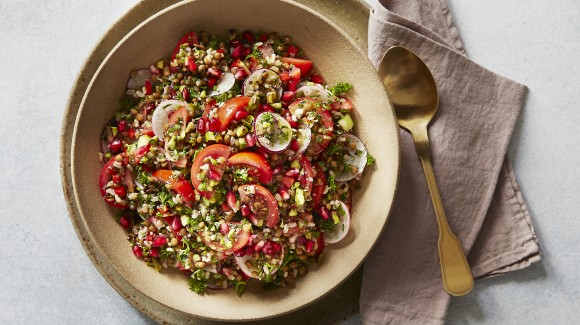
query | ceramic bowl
[335, 56]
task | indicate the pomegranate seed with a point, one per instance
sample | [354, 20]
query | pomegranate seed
[148, 87]
[120, 191]
[213, 175]
[122, 125]
[245, 210]
[191, 64]
[266, 108]
[224, 228]
[287, 96]
[159, 241]
[131, 133]
[215, 72]
[293, 84]
[137, 251]
[323, 213]
[201, 126]
[211, 81]
[236, 43]
[172, 92]
[317, 79]
[283, 191]
[154, 252]
[310, 246]
[149, 237]
[185, 94]
[124, 222]
[277, 170]
[294, 145]
[232, 202]
[292, 50]
[173, 69]
[240, 115]
[247, 35]
[116, 146]
[277, 248]
[250, 139]
[154, 70]
[263, 37]
[214, 125]
[267, 249]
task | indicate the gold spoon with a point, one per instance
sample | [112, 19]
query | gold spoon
[413, 92]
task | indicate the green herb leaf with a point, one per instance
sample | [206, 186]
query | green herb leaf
[370, 159]
[340, 88]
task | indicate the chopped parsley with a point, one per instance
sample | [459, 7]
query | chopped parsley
[197, 282]
[239, 287]
[370, 159]
[331, 183]
[340, 88]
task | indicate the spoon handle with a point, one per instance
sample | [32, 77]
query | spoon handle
[455, 271]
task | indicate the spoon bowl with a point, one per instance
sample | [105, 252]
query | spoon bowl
[413, 93]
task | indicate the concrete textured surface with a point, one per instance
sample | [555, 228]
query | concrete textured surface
[46, 277]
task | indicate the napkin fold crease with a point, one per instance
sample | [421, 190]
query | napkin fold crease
[469, 136]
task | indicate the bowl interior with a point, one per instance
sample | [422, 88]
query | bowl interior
[335, 57]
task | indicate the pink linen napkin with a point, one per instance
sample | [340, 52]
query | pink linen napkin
[469, 137]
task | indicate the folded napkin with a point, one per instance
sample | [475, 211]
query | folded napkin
[469, 137]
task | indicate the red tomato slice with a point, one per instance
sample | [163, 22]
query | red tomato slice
[305, 66]
[319, 186]
[307, 178]
[318, 144]
[180, 186]
[304, 103]
[254, 160]
[190, 39]
[180, 114]
[344, 104]
[262, 203]
[227, 112]
[215, 151]
[107, 174]
[241, 239]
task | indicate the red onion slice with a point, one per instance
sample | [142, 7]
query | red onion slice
[356, 157]
[160, 117]
[272, 131]
[226, 82]
[342, 227]
[315, 91]
[257, 80]
[241, 261]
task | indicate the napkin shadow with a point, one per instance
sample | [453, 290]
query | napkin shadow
[515, 142]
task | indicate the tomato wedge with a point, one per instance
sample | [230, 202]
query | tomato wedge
[319, 185]
[241, 236]
[214, 151]
[228, 111]
[181, 114]
[304, 103]
[262, 203]
[307, 177]
[180, 186]
[110, 173]
[190, 39]
[305, 66]
[344, 104]
[253, 160]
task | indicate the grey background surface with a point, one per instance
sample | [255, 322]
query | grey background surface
[46, 277]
